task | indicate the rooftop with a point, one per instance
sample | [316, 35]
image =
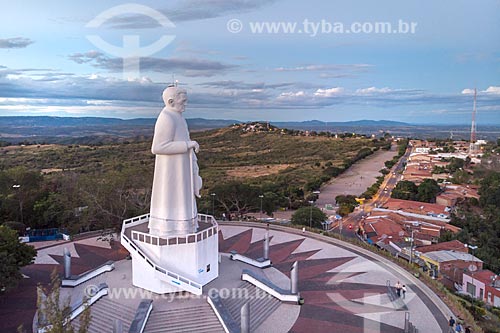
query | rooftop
[416, 207]
[486, 276]
[454, 245]
[446, 255]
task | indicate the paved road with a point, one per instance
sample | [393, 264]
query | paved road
[357, 178]
[350, 224]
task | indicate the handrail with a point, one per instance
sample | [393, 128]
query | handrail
[141, 316]
[133, 221]
[163, 273]
[147, 238]
[76, 280]
[155, 240]
[228, 323]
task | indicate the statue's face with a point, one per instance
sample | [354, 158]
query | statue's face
[180, 101]
[175, 99]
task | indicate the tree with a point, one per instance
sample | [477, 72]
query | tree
[237, 197]
[116, 195]
[490, 190]
[346, 199]
[428, 190]
[54, 313]
[13, 256]
[19, 189]
[345, 209]
[460, 177]
[455, 164]
[306, 215]
[389, 164]
[405, 190]
[346, 203]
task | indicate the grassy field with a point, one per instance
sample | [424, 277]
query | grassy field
[115, 180]
[225, 154]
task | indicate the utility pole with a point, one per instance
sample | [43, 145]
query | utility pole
[472, 147]
[18, 188]
[213, 203]
[472, 267]
[411, 247]
[311, 213]
[261, 197]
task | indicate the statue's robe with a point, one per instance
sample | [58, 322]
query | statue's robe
[176, 180]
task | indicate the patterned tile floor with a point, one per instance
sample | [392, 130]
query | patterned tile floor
[344, 291]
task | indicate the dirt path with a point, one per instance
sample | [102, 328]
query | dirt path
[357, 178]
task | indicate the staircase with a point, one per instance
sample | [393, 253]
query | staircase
[262, 305]
[161, 273]
[200, 318]
[103, 314]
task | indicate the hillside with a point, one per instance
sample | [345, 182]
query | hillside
[95, 130]
[115, 180]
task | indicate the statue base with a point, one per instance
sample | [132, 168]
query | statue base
[172, 264]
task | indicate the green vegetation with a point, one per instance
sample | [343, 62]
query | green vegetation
[13, 256]
[84, 188]
[480, 222]
[373, 189]
[307, 216]
[346, 203]
[54, 313]
[425, 192]
[455, 165]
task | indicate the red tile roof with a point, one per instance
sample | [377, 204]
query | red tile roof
[416, 207]
[454, 245]
[485, 276]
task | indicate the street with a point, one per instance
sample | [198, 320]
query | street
[350, 224]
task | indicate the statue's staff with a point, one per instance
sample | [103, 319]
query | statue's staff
[191, 157]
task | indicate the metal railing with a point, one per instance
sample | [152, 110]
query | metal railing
[162, 273]
[158, 241]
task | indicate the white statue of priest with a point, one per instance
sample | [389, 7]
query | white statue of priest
[176, 181]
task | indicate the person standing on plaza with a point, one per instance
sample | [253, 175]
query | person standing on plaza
[398, 288]
[451, 324]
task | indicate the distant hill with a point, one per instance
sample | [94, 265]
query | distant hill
[317, 123]
[15, 129]
[44, 121]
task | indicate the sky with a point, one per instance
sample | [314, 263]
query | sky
[415, 61]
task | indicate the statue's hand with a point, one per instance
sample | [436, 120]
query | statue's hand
[195, 145]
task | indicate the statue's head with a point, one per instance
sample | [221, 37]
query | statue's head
[175, 98]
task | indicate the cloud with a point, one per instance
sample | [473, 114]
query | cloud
[373, 90]
[22, 84]
[193, 67]
[15, 43]
[229, 84]
[189, 10]
[331, 92]
[25, 91]
[90, 56]
[492, 90]
[291, 95]
[327, 67]
[328, 71]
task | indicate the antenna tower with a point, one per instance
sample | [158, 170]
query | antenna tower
[472, 147]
